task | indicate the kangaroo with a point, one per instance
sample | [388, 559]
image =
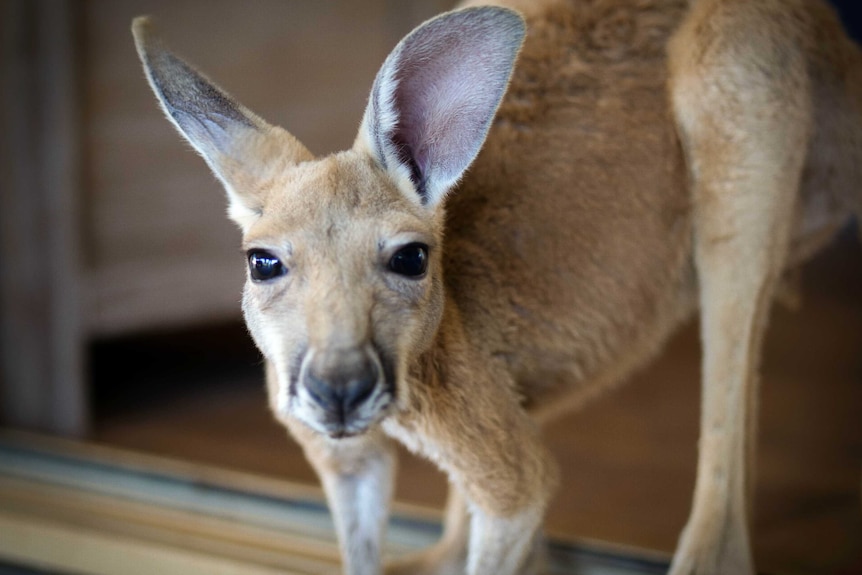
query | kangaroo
[504, 241]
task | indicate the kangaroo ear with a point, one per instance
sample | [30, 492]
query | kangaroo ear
[241, 149]
[434, 97]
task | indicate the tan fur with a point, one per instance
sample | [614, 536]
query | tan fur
[647, 156]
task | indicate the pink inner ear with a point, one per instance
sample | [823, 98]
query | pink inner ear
[449, 77]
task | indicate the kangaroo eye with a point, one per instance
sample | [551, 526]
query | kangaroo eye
[264, 266]
[410, 261]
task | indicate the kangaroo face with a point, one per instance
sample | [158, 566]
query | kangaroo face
[344, 289]
[344, 285]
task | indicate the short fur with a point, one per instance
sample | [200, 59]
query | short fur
[650, 157]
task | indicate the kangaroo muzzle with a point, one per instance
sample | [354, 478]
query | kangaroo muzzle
[342, 389]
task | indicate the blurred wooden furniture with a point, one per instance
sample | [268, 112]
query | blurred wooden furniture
[109, 224]
[41, 318]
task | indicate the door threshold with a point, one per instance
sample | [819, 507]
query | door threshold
[73, 507]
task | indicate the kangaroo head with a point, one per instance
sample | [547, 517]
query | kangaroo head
[344, 284]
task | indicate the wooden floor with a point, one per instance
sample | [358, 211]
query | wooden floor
[628, 459]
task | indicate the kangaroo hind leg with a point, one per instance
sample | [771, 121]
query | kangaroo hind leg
[740, 97]
[449, 555]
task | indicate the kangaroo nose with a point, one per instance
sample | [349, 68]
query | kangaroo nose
[341, 398]
[340, 383]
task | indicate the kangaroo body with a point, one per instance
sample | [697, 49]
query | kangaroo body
[579, 205]
[649, 158]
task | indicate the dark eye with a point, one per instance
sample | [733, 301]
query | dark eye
[264, 266]
[410, 261]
